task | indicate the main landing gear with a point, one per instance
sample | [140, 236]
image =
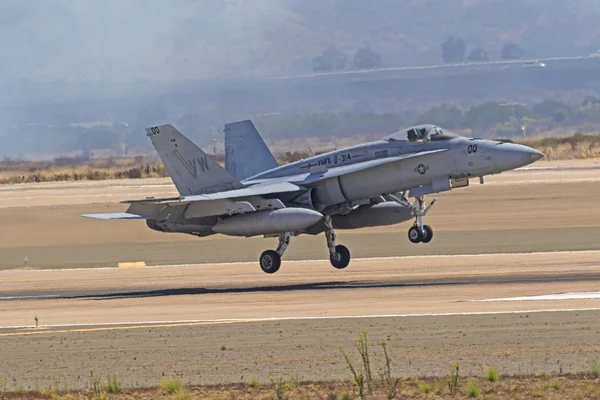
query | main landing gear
[270, 260]
[339, 255]
[418, 233]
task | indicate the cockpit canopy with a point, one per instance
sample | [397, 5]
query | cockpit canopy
[423, 133]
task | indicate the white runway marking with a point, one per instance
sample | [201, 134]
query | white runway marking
[557, 296]
[81, 185]
[74, 196]
[307, 318]
[540, 181]
[433, 256]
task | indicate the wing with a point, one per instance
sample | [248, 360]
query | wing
[220, 203]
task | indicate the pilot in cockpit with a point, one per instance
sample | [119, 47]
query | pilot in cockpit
[417, 134]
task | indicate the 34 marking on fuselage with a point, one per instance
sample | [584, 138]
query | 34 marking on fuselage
[337, 158]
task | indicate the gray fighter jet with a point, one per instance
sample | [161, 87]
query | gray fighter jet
[360, 186]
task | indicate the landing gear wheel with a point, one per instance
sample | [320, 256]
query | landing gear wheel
[270, 261]
[341, 258]
[414, 234]
[427, 234]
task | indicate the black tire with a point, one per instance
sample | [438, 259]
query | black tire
[270, 261]
[342, 257]
[428, 234]
[414, 234]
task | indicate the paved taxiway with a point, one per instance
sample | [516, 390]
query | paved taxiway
[480, 235]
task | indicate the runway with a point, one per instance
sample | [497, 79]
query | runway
[472, 295]
[425, 285]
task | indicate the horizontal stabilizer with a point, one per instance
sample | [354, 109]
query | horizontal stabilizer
[120, 215]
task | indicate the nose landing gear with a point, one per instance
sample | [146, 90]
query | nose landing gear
[422, 234]
[419, 232]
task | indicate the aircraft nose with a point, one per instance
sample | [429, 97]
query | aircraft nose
[535, 155]
[517, 155]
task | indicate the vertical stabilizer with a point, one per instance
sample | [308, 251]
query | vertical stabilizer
[192, 170]
[246, 153]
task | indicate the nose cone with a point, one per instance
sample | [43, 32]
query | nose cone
[535, 155]
[512, 156]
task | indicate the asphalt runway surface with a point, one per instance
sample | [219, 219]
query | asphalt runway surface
[204, 311]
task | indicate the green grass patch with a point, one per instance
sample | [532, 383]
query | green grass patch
[492, 374]
[170, 385]
[473, 390]
[425, 387]
[113, 385]
[254, 383]
[595, 368]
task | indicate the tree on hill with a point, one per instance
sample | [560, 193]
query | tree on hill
[453, 50]
[489, 114]
[365, 58]
[590, 100]
[478, 54]
[512, 51]
[553, 109]
[100, 139]
[444, 116]
[331, 59]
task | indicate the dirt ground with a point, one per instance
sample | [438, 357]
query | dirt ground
[207, 320]
[514, 388]
[304, 350]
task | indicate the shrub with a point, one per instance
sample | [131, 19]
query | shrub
[492, 374]
[453, 383]
[113, 385]
[170, 385]
[472, 389]
[595, 367]
[254, 383]
[388, 382]
[425, 387]
[280, 387]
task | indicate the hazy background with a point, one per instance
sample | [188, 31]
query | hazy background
[87, 74]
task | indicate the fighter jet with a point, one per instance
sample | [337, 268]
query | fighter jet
[355, 187]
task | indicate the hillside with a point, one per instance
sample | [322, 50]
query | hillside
[185, 39]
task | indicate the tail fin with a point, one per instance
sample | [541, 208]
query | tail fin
[192, 170]
[246, 153]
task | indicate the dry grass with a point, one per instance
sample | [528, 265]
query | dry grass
[77, 169]
[577, 146]
[517, 388]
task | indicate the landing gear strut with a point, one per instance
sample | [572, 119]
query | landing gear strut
[339, 255]
[418, 233]
[270, 260]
